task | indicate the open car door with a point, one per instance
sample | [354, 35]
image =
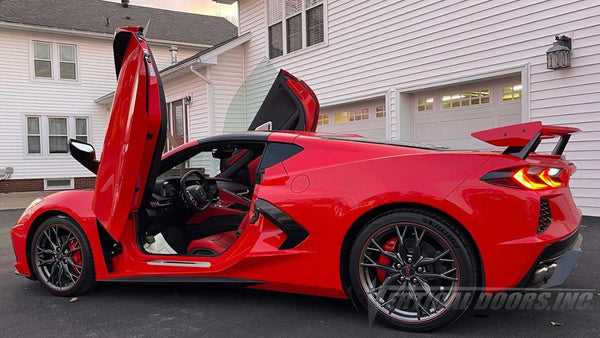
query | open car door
[289, 105]
[135, 136]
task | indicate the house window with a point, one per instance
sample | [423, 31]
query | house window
[323, 119]
[315, 30]
[295, 24]
[34, 142]
[68, 61]
[510, 93]
[466, 99]
[58, 138]
[81, 129]
[349, 116]
[379, 112]
[42, 59]
[48, 135]
[54, 60]
[59, 183]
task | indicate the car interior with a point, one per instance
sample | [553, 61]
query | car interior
[200, 202]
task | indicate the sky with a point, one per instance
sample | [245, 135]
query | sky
[208, 7]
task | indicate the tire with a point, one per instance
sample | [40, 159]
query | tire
[414, 269]
[61, 257]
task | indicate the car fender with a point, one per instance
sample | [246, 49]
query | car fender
[76, 204]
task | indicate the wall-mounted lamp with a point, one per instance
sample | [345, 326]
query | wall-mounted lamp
[187, 100]
[559, 55]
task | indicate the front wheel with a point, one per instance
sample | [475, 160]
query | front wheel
[414, 269]
[61, 257]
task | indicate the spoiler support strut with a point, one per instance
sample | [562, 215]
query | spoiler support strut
[523, 152]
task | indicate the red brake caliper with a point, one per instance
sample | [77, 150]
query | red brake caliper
[76, 256]
[390, 245]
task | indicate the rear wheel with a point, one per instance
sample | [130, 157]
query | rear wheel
[61, 257]
[408, 266]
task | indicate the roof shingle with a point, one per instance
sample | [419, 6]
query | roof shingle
[104, 17]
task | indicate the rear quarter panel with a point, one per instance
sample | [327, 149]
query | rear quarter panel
[330, 184]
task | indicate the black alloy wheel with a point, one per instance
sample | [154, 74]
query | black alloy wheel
[61, 257]
[410, 266]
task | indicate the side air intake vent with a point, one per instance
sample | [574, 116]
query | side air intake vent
[545, 216]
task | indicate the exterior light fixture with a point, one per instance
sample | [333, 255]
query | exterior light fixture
[559, 55]
[187, 100]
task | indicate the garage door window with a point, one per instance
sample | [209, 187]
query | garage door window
[511, 93]
[349, 116]
[380, 112]
[425, 104]
[465, 99]
[323, 119]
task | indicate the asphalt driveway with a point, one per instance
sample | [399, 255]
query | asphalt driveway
[27, 310]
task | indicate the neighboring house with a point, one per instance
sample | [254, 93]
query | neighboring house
[435, 71]
[56, 60]
[204, 94]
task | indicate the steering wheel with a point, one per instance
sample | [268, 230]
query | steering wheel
[194, 196]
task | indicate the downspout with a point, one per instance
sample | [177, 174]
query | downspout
[209, 99]
[210, 104]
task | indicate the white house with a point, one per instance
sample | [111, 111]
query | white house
[435, 71]
[56, 60]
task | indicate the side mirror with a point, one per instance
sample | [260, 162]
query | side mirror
[85, 154]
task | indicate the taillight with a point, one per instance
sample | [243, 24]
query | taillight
[532, 178]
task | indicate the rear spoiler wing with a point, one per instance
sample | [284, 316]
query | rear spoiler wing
[524, 138]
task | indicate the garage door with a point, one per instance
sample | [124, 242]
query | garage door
[449, 115]
[366, 118]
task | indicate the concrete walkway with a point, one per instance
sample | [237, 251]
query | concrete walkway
[20, 200]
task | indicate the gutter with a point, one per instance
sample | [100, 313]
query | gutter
[97, 35]
[210, 104]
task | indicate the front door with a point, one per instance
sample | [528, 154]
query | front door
[177, 127]
[135, 135]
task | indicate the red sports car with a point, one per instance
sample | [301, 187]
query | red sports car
[403, 228]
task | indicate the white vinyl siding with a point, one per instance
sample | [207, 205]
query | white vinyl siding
[407, 44]
[25, 95]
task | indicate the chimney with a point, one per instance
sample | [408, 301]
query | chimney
[125, 3]
[173, 49]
